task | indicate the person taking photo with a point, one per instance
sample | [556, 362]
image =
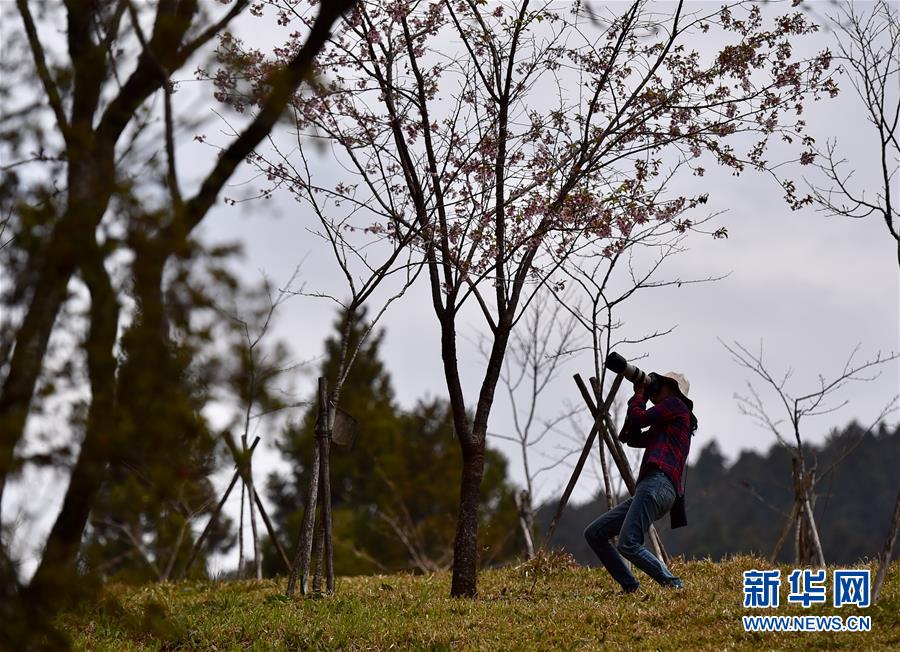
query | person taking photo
[670, 424]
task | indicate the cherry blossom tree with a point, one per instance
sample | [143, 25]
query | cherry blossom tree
[506, 136]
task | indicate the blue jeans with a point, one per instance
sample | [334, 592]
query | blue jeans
[653, 497]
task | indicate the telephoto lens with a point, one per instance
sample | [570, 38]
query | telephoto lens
[619, 365]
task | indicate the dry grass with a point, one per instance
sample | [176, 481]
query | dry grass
[546, 605]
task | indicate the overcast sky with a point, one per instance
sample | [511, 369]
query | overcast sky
[808, 287]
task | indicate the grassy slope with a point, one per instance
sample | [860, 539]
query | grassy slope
[563, 608]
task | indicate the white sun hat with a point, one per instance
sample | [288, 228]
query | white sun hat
[682, 384]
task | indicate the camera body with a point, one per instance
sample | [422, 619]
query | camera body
[650, 381]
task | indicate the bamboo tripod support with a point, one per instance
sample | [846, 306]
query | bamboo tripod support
[195, 549]
[241, 473]
[244, 470]
[603, 425]
[317, 531]
[807, 543]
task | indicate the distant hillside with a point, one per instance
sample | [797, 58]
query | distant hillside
[732, 508]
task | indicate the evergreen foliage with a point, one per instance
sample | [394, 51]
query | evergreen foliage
[395, 493]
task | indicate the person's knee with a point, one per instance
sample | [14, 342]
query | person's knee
[628, 547]
[596, 532]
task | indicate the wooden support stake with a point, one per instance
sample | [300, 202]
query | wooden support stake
[523, 502]
[813, 534]
[235, 453]
[564, 499]
[326, 497]
[618, 454]
[807, 545]
[318, 551]
[795, 511]
[282, 554]
[304, 546]
[887, 551]
[195, 549]
[816, 544]
[576, 472]
[609, 433]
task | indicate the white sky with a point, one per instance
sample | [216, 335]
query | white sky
[807, 286]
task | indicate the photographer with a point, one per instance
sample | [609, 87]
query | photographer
[659, 484]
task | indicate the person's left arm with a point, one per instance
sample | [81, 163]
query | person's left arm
[633, 436]
[641, 417]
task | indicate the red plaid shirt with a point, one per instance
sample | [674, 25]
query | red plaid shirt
[668, 439]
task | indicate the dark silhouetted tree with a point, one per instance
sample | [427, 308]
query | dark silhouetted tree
[90, 203]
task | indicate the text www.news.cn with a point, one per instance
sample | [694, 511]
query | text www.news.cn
[807, 624]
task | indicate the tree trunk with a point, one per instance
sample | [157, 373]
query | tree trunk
[607, 404]
[604, 468]
[526, 520]
[90, 178]
[31, 344]
[56, 573]
[465, 544]
[887, 551]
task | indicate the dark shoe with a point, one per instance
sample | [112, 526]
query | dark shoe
[631, 589]
[675, 584]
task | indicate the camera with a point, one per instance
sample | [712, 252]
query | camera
[619, 365]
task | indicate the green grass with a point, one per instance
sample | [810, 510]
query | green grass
[546, 606]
